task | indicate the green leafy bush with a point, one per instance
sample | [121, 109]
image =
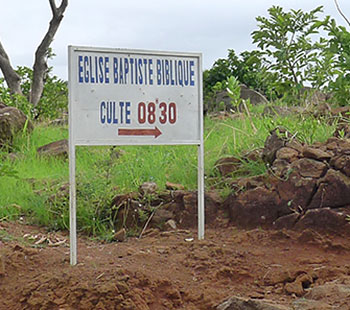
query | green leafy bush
[286, 42]
[246, 68]
[53, 102]
[338, 51]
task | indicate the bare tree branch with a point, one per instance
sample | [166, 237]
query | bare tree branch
[341, 13]
[53, 7]
[11, 77]
[40, 64]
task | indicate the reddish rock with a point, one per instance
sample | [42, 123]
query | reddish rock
[253, 155]
[280, 168]
[297, 286]
[227, 165]
[120, 235]
[174, 186]
[309, 168]
[316, 153]
[161, 216]
[296, 145]
[296, 191]
[338, 146]
[185, 209]
[125, 210]
[256, 207]
[57, 148]
[287, 221]
[288, 154]
[246, 183]
[273, 143]
[325, 221]
[120, 200]
[342, 163]
[333, 191]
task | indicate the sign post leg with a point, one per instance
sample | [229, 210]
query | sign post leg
[72, 206]
[201, 207]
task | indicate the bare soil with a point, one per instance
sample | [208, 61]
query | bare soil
[165, 270]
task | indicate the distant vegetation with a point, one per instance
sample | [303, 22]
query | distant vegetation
[295, 49]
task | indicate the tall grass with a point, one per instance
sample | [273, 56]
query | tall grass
[103, 172]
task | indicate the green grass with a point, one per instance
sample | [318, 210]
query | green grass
[101, 174]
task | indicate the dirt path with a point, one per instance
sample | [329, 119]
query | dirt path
[167, 270]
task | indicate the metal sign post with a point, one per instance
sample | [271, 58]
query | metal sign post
[134, 97]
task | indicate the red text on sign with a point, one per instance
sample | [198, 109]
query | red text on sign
[152, 111]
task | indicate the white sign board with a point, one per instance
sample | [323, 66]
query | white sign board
[134, 97]
[124, 97]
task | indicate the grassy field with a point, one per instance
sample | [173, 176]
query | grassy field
[103, 172]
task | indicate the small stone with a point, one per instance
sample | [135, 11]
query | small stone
[161, 216]
[120, 235]
[163, 250]
[174, 186]
[227, 165]
[170, 225]
[148, 188]
[152, 232]
[295, 288]
[304, 280]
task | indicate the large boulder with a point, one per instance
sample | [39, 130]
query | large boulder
[254, 208]
[313, 96]
[255, 98]
[57, 148]
[12, 121]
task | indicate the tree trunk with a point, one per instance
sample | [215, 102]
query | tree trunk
[12, 79]
[40, 64]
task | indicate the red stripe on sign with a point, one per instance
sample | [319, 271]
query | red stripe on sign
[140, 132]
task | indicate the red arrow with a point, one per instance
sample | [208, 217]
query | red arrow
[139, 132]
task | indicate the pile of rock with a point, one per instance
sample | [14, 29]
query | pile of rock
[171, 208]
[306, 187]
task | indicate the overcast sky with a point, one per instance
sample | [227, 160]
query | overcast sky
[207, 26]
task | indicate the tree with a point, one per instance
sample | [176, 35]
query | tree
[40, 66]
[246, 67]
[285, 38]
[338, 51]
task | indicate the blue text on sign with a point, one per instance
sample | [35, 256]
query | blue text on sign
[136, 71]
